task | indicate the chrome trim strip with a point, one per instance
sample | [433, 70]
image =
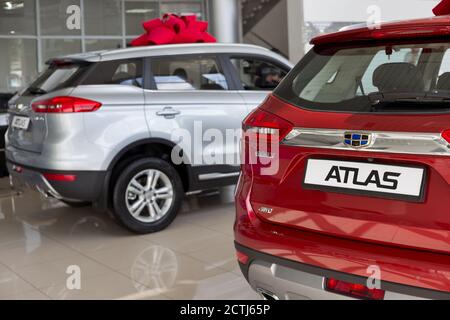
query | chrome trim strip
[212, 176]
[382, 142]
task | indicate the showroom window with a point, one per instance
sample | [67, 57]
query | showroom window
[18, 17]
[17, 63]
[33, 31]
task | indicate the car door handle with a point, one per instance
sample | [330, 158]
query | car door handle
[168, 112]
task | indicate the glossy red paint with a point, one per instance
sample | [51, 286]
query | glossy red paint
[384, 223]
[409, 241]
[443, 8]
[416, 268]
[419, 28]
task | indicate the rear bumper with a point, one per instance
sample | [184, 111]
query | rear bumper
[87, 185]
[411, 273]
[283, 279]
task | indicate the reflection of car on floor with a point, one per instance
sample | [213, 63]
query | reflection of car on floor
[359, 205]
[101, 127]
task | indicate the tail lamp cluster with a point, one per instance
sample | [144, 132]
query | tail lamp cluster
[353, 290]
[266, 126]
[65, 105]
[446, 135]
[262, 130]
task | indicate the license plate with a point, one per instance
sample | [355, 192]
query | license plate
[394, 182]
[20, 122]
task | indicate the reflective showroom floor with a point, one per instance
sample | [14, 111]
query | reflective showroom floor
[193, 259]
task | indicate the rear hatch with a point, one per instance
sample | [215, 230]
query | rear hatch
[28, 129]
[364, 148]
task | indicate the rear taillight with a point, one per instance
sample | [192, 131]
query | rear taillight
[263, 132]
[266, 125]
[60, 177]
[353, 290]
[65, 105]
[446, 135]
[242, 257]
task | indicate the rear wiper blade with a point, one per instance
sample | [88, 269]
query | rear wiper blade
[35, 90]
[402, 102]
[381, 98]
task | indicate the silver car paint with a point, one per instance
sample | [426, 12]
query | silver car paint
[212, 110]
[90, 141]
[282, 283]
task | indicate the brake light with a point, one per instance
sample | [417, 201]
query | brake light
[354, 290]
[65, 105]
[410, 33]
[60, 177]
[266, 125]
[446, 135]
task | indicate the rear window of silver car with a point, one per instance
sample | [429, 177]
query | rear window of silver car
[57, 76]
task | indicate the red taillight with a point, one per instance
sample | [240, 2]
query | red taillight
[65, 105]
[354, 290]
[446, 135]
[60, 177]
[242, 258]
[267, 125]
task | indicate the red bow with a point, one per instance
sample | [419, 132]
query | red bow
[172, 29]
[443, 8]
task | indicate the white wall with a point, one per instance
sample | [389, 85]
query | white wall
[356, 10]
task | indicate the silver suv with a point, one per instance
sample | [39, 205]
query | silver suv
[134, 130]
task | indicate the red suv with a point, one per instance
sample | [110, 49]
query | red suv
[357, 202]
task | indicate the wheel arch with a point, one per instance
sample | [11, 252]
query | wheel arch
[151, 147]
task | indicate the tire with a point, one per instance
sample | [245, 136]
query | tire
[76, 204]
[154, 204]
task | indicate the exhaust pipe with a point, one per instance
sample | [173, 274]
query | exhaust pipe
[267, 295]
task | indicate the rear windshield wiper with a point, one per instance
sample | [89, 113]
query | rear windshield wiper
[35, 90]
[378, 100]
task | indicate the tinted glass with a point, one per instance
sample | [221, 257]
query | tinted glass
[137, 12]
[258, 74]
[18, 63]
[103, 17]
[382, 78]
[199, 73]
[53, 48]
[120, 72]
[61, 17]
[102, 44]
[183, 8]
[18, 17]
[57, 77]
